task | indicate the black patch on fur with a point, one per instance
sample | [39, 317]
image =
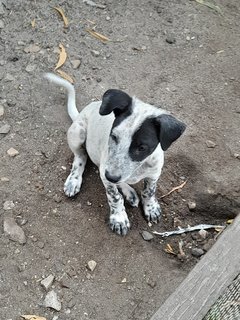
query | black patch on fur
[117, 101]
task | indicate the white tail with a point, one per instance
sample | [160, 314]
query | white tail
[71, 103]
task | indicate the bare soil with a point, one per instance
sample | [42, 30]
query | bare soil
[177, 54]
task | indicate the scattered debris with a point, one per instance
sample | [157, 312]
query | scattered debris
[76, 63]
[5, 179]
[12, 230]
[147, 236]
[94, 4]
[5, 129]
[1, 110]
[12, 152]
[62, 14]
[169, 249]
[47, 282]
[95, 53]
[210, 5]
[192, 205]
[197, 252]
[91, 265]
[62, 56]
[8, 205]
[32, 48]
[51, 301]
[188, 229]
[210, 144]
[174, 189]
[65, 76]
[97, 35]
[32, 317]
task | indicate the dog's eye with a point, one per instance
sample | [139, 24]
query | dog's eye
[115, 138]
[142, 148]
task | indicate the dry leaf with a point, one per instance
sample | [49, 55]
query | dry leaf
[230, 221]
[210, 5]
[97, 35]
[32, 317]
[65, 76]
[65, 20]
[33, 23]
[169, 249]
[174, 189]
[62, 57]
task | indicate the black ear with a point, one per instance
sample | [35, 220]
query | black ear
[116, 101]
[170, 130]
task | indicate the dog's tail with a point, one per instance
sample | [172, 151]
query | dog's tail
[71, 103]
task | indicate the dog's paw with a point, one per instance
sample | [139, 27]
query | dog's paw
[130, 194]
[152, 210]
[72, 185]
[119, 223]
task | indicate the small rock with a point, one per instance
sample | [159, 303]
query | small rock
[76, 63]
[170, 39]
[99, 80]
[192, 205]
[197, 252]
[8, 205]
[95, 53]
[236, 155]
[203, 234]
[32, 48]
[210, 144]
[89, 203]
[55, 317]
[12, 230]
[57, 198]
[5, 179]
[65, 281]
[30, 68]
[152, 283]
[1, 24]
[47, 282]
[51, 301]
[9, 77]
[108, 18]
[41, 244]
[1, 110]
[71, 303]
[147, 236]
[12, 152]
[94, 4]
[5, 129]
[91, 265]
[208, 245]
[177, 222]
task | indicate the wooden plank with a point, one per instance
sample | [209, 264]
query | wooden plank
[207, 281]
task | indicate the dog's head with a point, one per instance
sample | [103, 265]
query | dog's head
[136, 132]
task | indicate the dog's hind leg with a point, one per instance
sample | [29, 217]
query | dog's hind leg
[129, 193]
[76, 138]
[151, 207]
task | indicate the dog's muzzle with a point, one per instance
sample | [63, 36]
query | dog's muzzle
[111, 178]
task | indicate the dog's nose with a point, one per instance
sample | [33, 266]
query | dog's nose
[111, 178]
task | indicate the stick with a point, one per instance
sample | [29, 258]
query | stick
[188, 229]
[174, 189]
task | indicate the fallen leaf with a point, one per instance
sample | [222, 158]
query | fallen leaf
[97, 35]
[175, 189]
[230, 221]
[62, 56]
[210, 5]
[33, 23]
[65, 76]
[169, 249]
[32, 317]
[65, 20]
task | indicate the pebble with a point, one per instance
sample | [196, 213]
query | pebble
[192, 205]
[95, 53]
[5, 129]
[1, 110]
[1, 24]
[177, 222]
[65, 281]
[8, 205]
[12, 152]
[30, 68]
[108, 18]
[170, 39]
[12, 230]
[5, 179]
[71, 303]
[152, 283]
[197, 252]
[210, 144]
[32, 48]
[76, 63]
[91, 265]
[57, 198]
[47, 282]
[51, 301]
[147, 236]
[41, 244]
[9, 77]
[94, 4]
[203, 234]
[208, 245]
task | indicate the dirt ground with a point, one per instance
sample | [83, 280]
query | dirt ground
[178, 54]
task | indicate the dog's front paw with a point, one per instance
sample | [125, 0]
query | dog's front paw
[119, 223]
[152, 210]
[72, 185]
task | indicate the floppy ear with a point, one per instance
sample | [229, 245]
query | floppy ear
[116, 101]
[170, 130]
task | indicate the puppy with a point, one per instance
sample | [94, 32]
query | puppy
[126, 138]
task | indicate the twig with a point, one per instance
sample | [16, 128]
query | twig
[181, 252]
[174, 189]
[188, 229]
